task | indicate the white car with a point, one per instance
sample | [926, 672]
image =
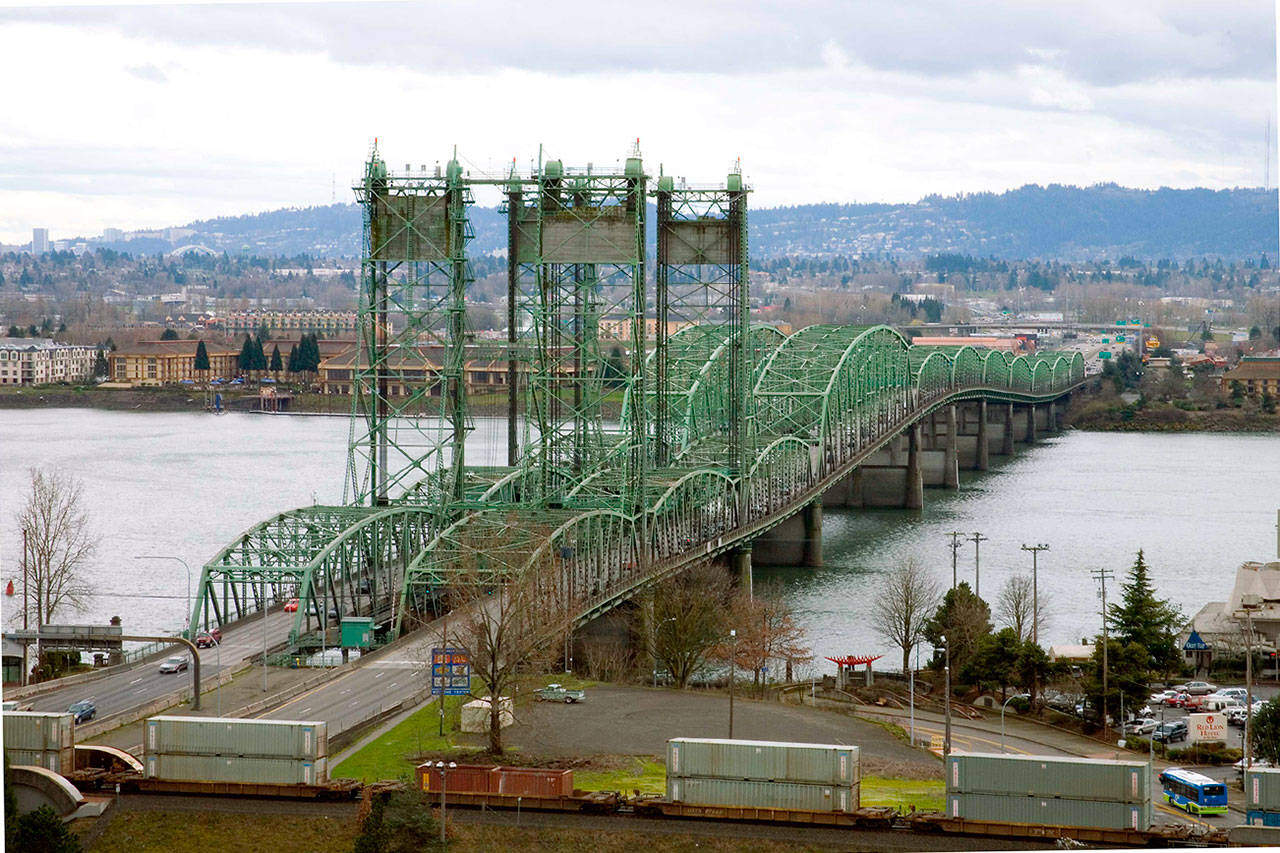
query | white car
[1141, 726]
[1162, 697]
[1219, 702]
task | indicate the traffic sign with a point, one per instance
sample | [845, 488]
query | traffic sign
[450, 671]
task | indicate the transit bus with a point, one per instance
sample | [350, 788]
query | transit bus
[1193, 792]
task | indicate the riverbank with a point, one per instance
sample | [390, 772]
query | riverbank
[1112, 414]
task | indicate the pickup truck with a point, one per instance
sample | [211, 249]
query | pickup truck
[558, 693]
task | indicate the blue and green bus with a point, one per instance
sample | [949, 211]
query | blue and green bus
[1193, 792]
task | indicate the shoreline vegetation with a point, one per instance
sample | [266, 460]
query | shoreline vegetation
[1100, 411]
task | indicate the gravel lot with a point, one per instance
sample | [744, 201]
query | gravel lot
[638, 721]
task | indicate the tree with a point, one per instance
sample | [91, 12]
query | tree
[276, 364]
[690, 620]
[259, 356]
[202, 356]
[994, 662]
[245, 360]
[767, 632]
[1266, 732]
[42, 831]
[169, 335]
[1142, 618]
[100, 366]
[293, 360]
[399, 822]
[907, 598]
[963, 619]
[1127, 674]
[60, 544]
[1016, 606]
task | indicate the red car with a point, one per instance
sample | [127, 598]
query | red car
[1180, 701]
[291, 606]
[206, 639]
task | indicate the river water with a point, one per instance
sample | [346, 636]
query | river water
[185, 484]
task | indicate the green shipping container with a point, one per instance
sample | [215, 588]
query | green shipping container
[1049, 811]
[217, 768]
[58, 760]
[1262, 789]
[762, 795]
[1050, 776]
[230, 736]
[38, 730]
[763, 761]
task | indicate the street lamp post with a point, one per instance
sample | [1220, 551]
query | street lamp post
[1002, 707]
[184, 565]
[733, 674]
[444, 785]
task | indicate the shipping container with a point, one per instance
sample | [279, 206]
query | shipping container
[1262, 818]
[1049, 776]
[763, 761]
[218, 768]
[39, 731]
[531, 782]
[465, 778]
[229, 736]
[1050, 811]
[1262, 789]
[58, 760]
[763, 795]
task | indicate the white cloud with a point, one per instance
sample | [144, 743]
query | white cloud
[155, 117]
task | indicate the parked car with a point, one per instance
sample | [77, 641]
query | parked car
[558, 693]
[1170, 732]
[1162, 697]
[291, 606]
[208, 639]
[82, 711]
[1219, 702]
[1141, 726]
[1200, 688]
[1257, 762]
[1236, 715]
[176, 663]
[1238, 692]
[1181, 700]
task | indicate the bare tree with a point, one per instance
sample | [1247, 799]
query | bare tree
[689, 619]
[907, 599]
[767, 631]
[1016, 607]
[59, 544]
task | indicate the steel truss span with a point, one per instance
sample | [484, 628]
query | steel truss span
[726, 428]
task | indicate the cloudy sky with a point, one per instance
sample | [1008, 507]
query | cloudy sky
[157, 114]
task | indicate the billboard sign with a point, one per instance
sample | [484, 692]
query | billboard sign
[450, 671]
[1206, 728]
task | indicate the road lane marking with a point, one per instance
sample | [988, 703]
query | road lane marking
[135, 681]
[1180, 813]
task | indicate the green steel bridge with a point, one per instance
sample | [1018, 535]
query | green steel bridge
[651, 425]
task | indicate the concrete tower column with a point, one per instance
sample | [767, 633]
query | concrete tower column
[1006, 445]
[813, 534]
[983, 456]
[951, 456]
[914, 487]
[740, 565]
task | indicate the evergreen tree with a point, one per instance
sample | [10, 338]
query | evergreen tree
[1266, 732]
[15, 332]
[100, 366]
[42, 831]
[245, 359]
[293, 359]
[276, 364]
[202, 357]
[169, 335]
[964, 619]
[1143, 619]
[259, 356]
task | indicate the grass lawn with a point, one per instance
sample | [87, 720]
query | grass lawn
[161, 832]
[649, 776]
[924, 794]
[392, 756]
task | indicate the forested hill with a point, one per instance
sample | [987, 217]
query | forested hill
[1068, 223]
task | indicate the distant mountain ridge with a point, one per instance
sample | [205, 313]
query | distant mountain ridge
[1049, 222]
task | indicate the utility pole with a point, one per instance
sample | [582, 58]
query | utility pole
[946, 695]
[26, 572]
[733, 674]
[1248, 609]
[1102, 575]
[977, 539]
[955, 549]
[1035, 590]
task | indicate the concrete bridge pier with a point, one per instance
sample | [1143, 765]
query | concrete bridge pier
[913, 491]
[1031, 423]
[983, 460]
[846, 493]
[740, 566]
[950, 459]
[1006, 445]
[797, 541]
[812, 555]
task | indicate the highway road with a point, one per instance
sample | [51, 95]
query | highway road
[143, 682]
